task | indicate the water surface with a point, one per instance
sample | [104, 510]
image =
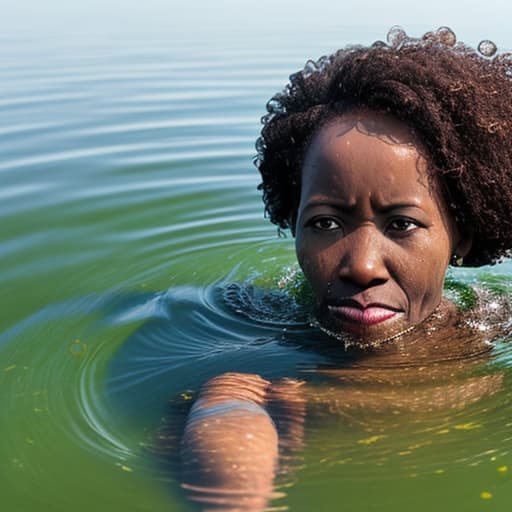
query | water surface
[128, 206]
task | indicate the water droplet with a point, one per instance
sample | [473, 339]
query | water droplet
[379, 44]
[446, 36]
[487, 48]
[396, 35]
[273, 105]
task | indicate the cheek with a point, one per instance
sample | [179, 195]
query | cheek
[437, 256]
[427, 272]
[316, 265]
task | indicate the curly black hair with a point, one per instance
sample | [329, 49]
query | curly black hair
[455, 99]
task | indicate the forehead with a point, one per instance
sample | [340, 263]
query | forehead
[365, 151]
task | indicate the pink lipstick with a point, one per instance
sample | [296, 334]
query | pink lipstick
[370, 315]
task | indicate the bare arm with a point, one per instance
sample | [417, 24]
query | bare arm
[232, 439]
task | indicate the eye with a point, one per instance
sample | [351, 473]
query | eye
[324, 223]
[402, 225]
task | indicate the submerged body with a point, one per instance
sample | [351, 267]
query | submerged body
[244, 431]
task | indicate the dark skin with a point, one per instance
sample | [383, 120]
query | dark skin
[373, 237]
[374, 240]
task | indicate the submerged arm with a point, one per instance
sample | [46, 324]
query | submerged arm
[232, 440]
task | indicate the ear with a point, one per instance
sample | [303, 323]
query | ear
[464, 244]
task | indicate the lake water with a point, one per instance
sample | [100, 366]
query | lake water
[128, 205]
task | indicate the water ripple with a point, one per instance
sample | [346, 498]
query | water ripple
[136, 265]
[44, 99]
[170, 123]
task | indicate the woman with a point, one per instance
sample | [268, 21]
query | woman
[387, 163]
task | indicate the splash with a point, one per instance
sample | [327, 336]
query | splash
[284, 299]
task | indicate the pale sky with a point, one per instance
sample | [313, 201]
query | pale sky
[492, 18]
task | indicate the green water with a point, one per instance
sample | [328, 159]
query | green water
[128, 204]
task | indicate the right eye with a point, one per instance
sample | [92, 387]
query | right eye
[325, 223]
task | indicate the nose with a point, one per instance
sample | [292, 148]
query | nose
[363, 262]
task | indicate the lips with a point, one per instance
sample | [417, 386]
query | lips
[355, 314]
[367, 316]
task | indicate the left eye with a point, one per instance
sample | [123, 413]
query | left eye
[402, 225]
[325, 224]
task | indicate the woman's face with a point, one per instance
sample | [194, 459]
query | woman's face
[372, 235]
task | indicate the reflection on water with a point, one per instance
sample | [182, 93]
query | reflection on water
[136, 265]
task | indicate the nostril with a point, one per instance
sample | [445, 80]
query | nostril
[376, 282]
[363, 273]
[361, 284]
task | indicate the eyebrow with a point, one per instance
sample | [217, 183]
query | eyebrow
[336, 205]
[350, 207]
[396, 206]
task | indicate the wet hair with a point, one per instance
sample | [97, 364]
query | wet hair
[456, 100]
